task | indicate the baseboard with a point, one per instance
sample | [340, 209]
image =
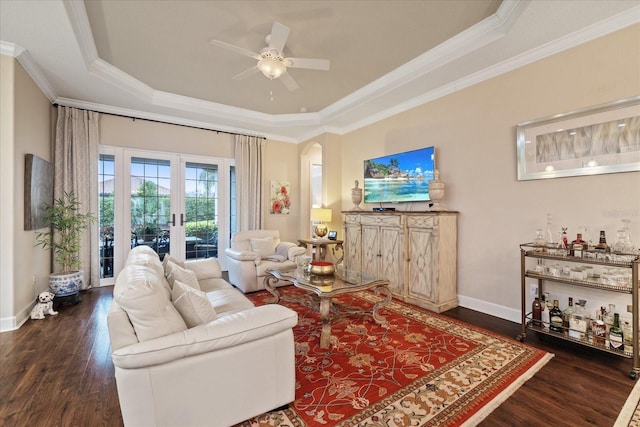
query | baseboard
[492, 309]
[12, 323]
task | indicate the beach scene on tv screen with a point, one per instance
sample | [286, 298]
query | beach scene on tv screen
[402, 177]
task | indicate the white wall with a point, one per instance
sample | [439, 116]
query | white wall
[26, 128]
[474, 131]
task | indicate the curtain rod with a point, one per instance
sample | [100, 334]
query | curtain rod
[166, 123]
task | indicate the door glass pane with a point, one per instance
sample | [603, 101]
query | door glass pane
[201, 209]
[150, 203]
[106, 183]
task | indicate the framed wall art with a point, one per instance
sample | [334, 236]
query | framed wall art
[594, 140]
[38, 191]
[280, 199]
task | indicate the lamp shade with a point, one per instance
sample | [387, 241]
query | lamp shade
[321, 215]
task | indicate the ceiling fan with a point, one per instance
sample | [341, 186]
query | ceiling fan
[271, 60]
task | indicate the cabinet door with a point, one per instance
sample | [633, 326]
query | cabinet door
[390, 260]
[352, 246]
[422, 263]
[371, 250]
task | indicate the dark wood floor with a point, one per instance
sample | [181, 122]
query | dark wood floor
[58, 372]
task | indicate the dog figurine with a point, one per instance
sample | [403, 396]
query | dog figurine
[43, 306]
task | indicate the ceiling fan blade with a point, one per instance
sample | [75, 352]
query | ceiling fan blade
[278, 37]
[288, 81]
[246, 73]
[235, 49]
[308, 63]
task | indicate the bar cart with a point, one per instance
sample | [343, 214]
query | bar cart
[594, 259]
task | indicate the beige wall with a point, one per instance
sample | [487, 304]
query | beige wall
[147, 135]
[26, 128]
[281, 162]
[474, 134]
[7, 216]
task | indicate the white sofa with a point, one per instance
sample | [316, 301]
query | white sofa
[252, 252]
[236, 364]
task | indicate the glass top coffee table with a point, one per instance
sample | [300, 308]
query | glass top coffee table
[343, 281]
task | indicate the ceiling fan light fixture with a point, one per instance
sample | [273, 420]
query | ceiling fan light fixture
[271, 67]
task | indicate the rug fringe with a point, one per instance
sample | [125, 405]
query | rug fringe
[506, 393]
[629, 408]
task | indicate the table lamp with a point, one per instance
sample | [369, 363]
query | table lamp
[320, 216]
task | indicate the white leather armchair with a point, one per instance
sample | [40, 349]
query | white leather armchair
[252, 252]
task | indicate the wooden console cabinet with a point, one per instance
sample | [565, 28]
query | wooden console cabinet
[415, 251]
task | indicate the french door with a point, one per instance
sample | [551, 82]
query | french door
[172, 203]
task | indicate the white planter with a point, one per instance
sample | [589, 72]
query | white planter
[64, 284]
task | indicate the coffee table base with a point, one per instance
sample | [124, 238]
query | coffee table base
[330, 311]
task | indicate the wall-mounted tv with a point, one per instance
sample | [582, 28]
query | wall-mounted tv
[401, 177]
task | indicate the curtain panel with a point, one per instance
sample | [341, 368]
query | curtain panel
[248, 155]
[76, 170]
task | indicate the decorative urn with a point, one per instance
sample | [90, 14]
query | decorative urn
[436, 191]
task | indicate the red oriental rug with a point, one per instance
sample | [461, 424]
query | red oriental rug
[424, 370]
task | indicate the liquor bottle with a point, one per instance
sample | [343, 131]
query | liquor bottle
[602, 244]
[579, 321]
[566, 315]
[616, 338]
[555, 317]
[626, 324]
[545, 310]
[536, 308]
[578, 246]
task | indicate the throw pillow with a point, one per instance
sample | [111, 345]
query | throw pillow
[188, 277]
[168, 258]
[150, 311]
[263, 247]
[192, 304]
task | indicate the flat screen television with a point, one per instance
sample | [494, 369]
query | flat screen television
[401, 177]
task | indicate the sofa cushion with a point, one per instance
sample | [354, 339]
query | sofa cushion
[228, 301]
[192, 304]
[188, 277]
[149, 309]
[214, 284]
[167, 258]
[204, 268]
[264, 246]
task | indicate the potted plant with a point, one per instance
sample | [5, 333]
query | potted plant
[67, 224]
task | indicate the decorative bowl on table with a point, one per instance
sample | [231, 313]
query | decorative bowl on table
[322, 268]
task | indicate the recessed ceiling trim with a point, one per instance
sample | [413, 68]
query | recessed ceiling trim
[125, 112]
[475, 37]
[118, 78]
[79, 21]
[600, 29]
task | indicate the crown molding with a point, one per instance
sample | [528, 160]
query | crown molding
[30, 66]
[164, 118]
